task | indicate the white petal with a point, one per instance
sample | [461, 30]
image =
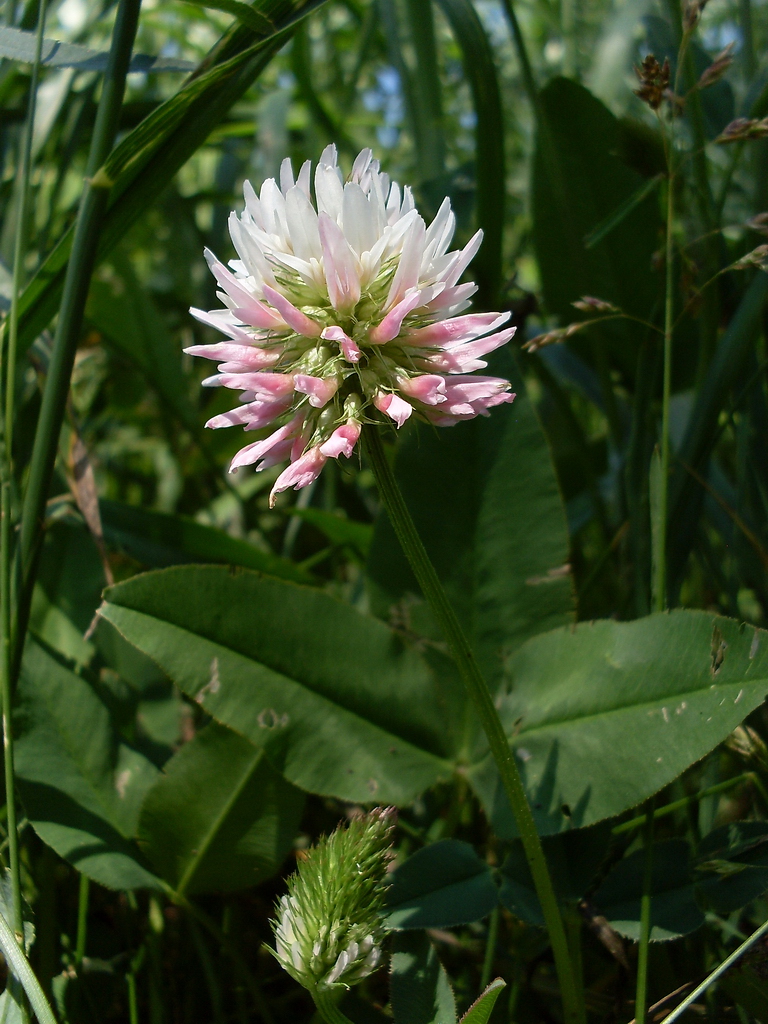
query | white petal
[360, 166]
[286, 175]
[273, 207]
[329, 156]
[329, 191]
[407, 274]
[252, 203]
[463, 259]
[305, 177]
[302, 224]
[358, 219]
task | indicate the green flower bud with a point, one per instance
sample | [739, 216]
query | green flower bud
[328, 927]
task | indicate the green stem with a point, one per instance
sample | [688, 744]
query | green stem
[490, 949]
[6, 695]
[680, 1009]
[133, 1006]
[686, 801]
[82, 920]
[328, 1010]
[660, 588]
[645, 919]
[6, 474]
[19, 966]
[486, 711]
[90, 220]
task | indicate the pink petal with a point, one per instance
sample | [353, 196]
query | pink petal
[221, 320]
[304, 471]
[342, 441]
[349, 348]
[248, 356]
[320, 389]
[458, 328]
[463, 357]
[295, 319]
[265, 383]
[340, 266]
[281, 439]
[428, 388]
[249, 309]
[453, 296]
[474, 388]
[389, 327]
[252, 416]
[393, 406]
[448, 416]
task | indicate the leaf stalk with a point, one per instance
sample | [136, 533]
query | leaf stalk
[485, 708]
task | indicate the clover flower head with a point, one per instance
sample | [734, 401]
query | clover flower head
[328, 927]
[342, 312]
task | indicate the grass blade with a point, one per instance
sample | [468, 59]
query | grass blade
[489, 145]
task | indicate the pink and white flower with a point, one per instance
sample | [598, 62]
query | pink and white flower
[342, 312]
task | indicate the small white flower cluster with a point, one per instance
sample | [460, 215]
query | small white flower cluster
[344, 313]
[328, 927]
[355, 961]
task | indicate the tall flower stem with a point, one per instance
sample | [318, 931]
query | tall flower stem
[6, 478]
[480, 695]
[328, 1009]
[90, 219]
[660, 583]
[645, 918]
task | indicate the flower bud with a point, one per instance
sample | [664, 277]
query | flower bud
[328, 927]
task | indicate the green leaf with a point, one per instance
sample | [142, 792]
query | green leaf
[486, 503]
[574, 858]
[245, 13]
[480, 1011]
[338, 529]
[347, 709]
[68, 590]
[443, 885]
[674, 910]
[578, 185]
[18, 45]
[598, 233]
[123, 311]
[161, 539]
[724, 371]
[604, 715]
[81, 787]
[6, 909]
[732, 865]
[219, 817]
[419, 987]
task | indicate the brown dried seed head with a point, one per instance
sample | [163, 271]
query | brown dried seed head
[654, 81]
[757, 258]
[758, 223]
[590, 304]
[717, 68]
[744, 128]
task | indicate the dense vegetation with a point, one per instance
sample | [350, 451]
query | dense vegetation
[256, 675]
